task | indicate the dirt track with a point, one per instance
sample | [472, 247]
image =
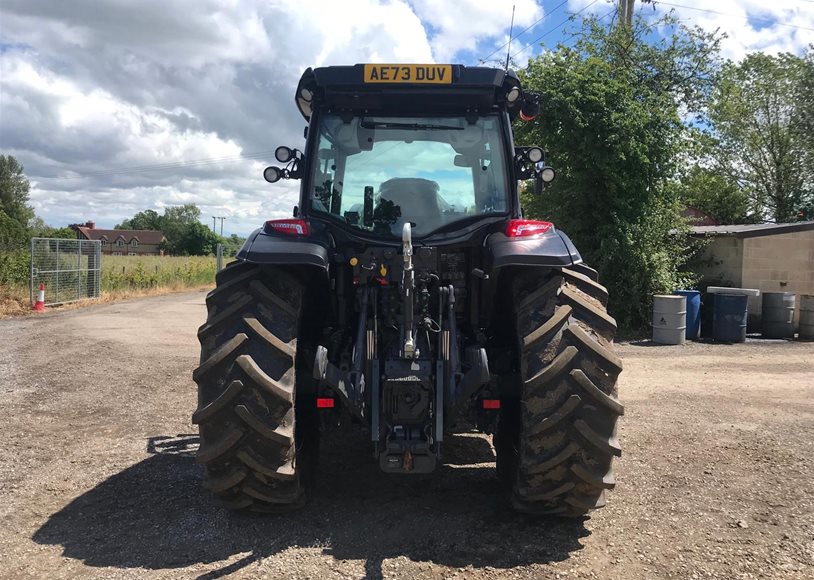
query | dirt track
[97, 476]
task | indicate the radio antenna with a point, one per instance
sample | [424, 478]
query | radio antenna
[511, 31]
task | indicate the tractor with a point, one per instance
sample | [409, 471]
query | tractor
[407, 296]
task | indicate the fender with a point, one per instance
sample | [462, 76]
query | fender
[263, 248]
[552, 249]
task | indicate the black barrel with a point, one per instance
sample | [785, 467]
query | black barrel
[729, 318]
[777, 315]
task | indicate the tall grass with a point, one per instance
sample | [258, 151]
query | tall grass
[140, 272]
[122, 277]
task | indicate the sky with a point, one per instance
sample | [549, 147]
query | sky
[117, 106]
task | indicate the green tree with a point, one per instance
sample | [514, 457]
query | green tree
[716, 195]
[13, 236]
[14, 254]
[14, 188]
[198, 240]
[143, 220]
[758, 115]
[38, 228]
[805, 98]
[184, 233]
[232, 245]
[175, 223]
[611, 122]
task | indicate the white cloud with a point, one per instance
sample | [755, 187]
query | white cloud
[88, 88]
[750, 25]
[753, 26]
[459, 24]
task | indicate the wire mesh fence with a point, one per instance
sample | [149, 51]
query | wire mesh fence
[70, 269]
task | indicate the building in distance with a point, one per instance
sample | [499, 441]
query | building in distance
[122, 242]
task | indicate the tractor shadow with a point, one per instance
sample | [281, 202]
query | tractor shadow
[155, 515]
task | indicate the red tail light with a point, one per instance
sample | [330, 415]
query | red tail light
[524, 228]
[325, 403]
[491, 403]
[289, 227]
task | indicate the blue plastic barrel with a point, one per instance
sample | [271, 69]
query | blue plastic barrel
[693, 312]
[729, 318]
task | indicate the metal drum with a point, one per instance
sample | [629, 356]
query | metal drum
[669, 319]
[806, 331]
[729, 317]
[777, 315]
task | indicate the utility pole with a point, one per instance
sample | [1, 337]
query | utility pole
[217, 217]
[626, 12]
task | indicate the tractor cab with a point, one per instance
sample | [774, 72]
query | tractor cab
[428, 145]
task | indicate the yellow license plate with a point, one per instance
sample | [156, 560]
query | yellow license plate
[435, 74]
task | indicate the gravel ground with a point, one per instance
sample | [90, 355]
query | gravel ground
[97, 476]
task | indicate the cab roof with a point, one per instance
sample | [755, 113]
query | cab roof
[406, 88]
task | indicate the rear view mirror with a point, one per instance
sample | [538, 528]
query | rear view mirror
[464, 161]
[470, 160]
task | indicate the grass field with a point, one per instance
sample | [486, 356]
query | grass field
[143, 272]
[128, 277]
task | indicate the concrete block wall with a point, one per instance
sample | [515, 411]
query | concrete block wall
[722, 262]
[778, 263]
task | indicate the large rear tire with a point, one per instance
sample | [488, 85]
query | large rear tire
[256, 445]
[556, 447]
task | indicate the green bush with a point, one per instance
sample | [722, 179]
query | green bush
[14, 267]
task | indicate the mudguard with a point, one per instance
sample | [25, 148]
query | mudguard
[263, 248]
[552, 249]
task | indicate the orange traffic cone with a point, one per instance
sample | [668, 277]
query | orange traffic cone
[39, 305]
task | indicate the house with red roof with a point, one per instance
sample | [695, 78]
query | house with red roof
[122, 242]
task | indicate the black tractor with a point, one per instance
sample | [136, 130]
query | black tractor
[408, 296]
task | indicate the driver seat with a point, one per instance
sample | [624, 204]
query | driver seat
[418, 200]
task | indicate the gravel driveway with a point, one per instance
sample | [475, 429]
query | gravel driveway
[98, 479]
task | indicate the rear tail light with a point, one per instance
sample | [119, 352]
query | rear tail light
[289, 227]
[524, 228]
[325, 403]
[491, 404]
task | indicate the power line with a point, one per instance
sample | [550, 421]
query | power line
[164, 166]
[749, 16]
[560, 25]
[522, 32]
[573, 40]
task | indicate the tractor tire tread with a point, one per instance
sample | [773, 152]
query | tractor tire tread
[569, 409]
[246, 389]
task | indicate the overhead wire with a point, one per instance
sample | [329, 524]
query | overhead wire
[568, 43]
[553, 30]
[165, 166]
[519, 34]
[749, 16]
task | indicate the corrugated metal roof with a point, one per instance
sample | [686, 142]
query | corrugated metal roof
[753, 230]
